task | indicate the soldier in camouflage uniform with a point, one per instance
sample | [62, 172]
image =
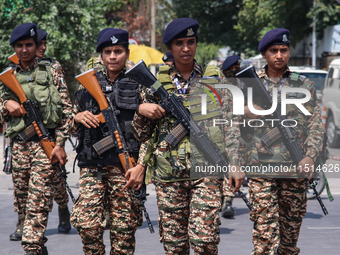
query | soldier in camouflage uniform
[188, 208]
[59, 189]
[102, 179]
[280, 203]
[230, 67]
[32, 171]
[168, 58]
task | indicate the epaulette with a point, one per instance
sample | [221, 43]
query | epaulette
[90, 63]
[212, 71]
[46, 61]
[163, 74]
[297, 79]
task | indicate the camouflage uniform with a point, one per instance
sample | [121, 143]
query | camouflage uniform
[95, 196]
[279, 203]
[227, 194]
[188, 208]
[33, 174]
[59, 189]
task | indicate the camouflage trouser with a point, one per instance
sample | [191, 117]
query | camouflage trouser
[88, 213]
[226, 191]
[280, 205]
[59, 194]
[32, 176]
[59, 191]
[189, 212]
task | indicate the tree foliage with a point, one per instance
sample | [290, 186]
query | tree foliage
[72, 28]
[216, 18]
[327, 13]
[241, 24]
[259, 16]
[206, 52]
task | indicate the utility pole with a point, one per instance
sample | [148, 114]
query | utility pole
[314, 39]
[153, 23]
[153, 30]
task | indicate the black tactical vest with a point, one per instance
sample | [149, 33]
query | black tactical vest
[124, 96]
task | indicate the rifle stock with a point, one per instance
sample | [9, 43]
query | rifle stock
[89, 81]
[14, 58]
[9, 79]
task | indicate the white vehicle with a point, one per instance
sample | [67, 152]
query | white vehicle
[318, 76]
[331, 99]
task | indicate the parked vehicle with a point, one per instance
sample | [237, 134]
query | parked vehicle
[318, 76]
[331, 100]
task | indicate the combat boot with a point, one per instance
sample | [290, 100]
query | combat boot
[107, 218]
[227, 210]
[64, 220]
[17, 235]
[44, 251]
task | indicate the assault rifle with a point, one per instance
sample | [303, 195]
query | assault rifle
[30, 109]
[114, 136]
[249, 77]
[185, 124]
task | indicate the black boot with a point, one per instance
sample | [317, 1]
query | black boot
[107, 218]
[44, 250]
[227, 210]
[17, 235]
[64, 220]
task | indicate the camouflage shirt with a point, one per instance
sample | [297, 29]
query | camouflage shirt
[61, 132]
[148, 131]
[308, 129]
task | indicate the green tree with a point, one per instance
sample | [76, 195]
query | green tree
[216, 18]
[327, 13]
[206, 52]
[259, 16]
[72, 28]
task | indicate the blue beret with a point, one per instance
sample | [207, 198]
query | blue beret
[180, 28]
[23, 32]
[168, 57]
[42, 35]
[102, 32]
[276, 36]
[112, 36]
[230, 61]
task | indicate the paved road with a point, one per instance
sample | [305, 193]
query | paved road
[319, 234]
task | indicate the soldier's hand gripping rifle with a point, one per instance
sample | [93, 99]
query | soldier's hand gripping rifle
[114, 136]
[185, 124]
[251, 80]
[30, 109]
